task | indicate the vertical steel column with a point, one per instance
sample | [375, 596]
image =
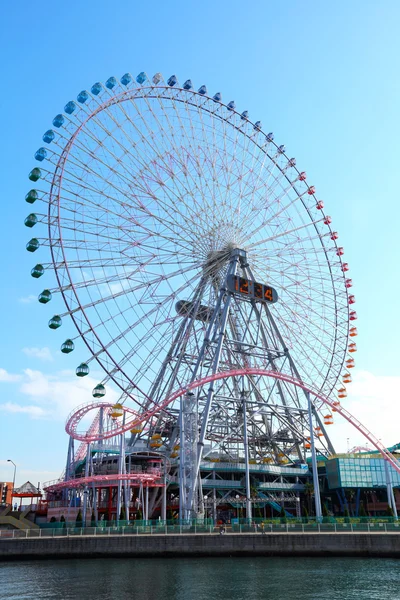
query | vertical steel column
[70, 455]
[121, 458]
[182, 482]
[164, 499]
[85, 490]
[96, 512]
[210, 395]
[214, 493]
[389, 487]
[147, 503]
[317, 497]
[246, 459]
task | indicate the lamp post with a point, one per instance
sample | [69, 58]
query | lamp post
[237, 507]
[205, 498]
[15, 470]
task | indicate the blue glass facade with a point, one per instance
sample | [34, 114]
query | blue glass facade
[359, 473]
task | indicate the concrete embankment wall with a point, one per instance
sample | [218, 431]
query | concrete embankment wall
[323, 544]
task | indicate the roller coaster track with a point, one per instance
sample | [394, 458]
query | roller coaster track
[77, 415]
[145, 479]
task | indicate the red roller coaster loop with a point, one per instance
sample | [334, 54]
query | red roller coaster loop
[145, 479]
[74, 419]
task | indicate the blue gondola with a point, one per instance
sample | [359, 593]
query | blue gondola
[70, 107]
[40, 154]
[217, 97]
[111, 82]
[96, 88]
[172, 80]
[244, 115]
[48, 137]
[82, 96]
[58, 121]
[141, 78]
[202, 90]
[126, 79]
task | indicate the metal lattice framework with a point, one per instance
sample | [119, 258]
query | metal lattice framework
[154, 195]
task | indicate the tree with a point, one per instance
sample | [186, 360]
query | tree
[389, 511]
[346, 515]
[62, 520]
[362, 511]
[309, 491]
[350, 495]
[93, 519]
[122, 514]
[79, 518]
[282, 515]
[304, 512]
[53, 520]
[325, 513]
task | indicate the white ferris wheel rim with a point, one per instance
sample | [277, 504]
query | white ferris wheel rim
[309, 255]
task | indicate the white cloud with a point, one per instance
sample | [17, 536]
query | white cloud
[8, 377]
[375, 401]
[41, 353]
[33, 411]
[50, 396]
[27, 299]
[59, 394]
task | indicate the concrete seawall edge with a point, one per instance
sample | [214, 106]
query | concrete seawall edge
[163, 546]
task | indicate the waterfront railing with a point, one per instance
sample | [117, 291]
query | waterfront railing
[283, 528]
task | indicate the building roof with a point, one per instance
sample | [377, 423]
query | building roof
[27, 490]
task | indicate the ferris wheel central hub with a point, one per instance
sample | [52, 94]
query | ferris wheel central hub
[217, 258]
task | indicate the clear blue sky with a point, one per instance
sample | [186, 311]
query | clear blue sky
[324, 77]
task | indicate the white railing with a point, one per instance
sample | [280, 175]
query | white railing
[196, 529]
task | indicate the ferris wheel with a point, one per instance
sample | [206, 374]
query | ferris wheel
[185, 241]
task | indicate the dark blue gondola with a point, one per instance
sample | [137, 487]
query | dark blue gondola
[111, 82]
[96, 88]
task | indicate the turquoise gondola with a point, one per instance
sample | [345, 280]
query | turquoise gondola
[31, 220]
[44, 297]
[67, 347]
[55, 322]
[32, 245]
[35, 174]
[37, 271]
[99, 391]
[82, 370]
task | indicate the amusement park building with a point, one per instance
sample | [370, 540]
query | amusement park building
[6, 488]
[346, 481]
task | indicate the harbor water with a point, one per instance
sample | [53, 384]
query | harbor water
[202, 578]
